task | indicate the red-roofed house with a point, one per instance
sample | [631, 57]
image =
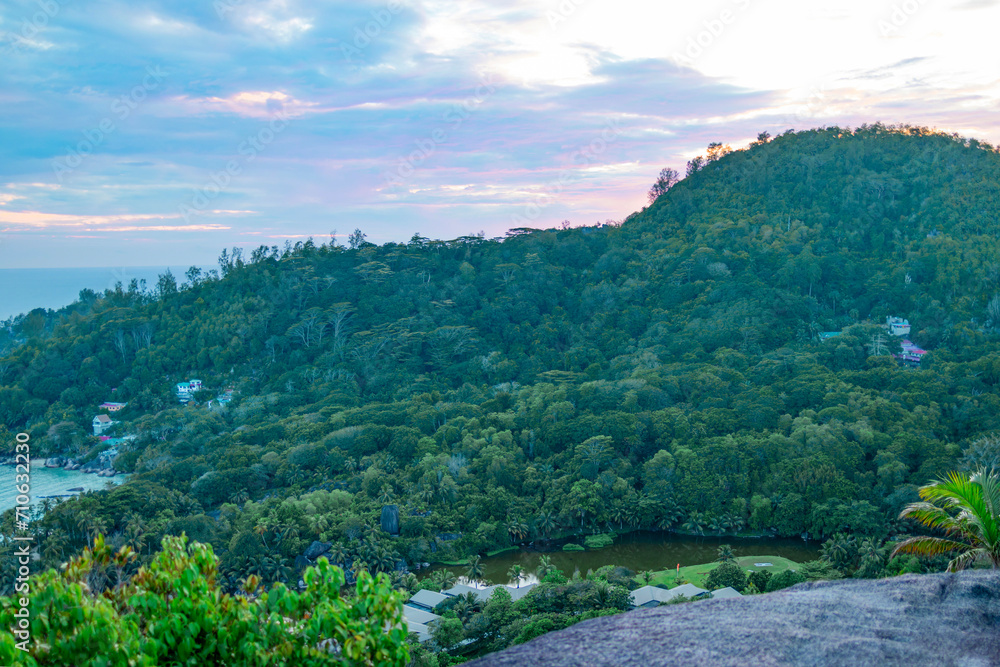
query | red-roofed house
[911, 355]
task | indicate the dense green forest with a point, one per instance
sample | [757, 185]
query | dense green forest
[664, 373]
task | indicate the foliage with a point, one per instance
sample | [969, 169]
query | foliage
[759, 579]
[966, 508]
[598, 541]
[172, 612]
[784, 580]
[728, 573]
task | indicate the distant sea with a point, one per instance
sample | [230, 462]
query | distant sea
[23, 290]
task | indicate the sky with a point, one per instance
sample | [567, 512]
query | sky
[157, 133]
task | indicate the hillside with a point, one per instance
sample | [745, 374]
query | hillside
[665, 373]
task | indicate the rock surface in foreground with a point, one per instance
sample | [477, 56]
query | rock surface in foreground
[937, 619]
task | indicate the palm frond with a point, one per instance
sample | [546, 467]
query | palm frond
[966, 559]
[989, 483]
[928, 546]
[931, 516]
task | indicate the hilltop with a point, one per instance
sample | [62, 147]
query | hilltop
[940, 619]
[663, 373]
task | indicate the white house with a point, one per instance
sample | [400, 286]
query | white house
[897, 326]
[185, 390]
[102, 423]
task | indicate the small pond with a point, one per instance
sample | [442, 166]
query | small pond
[638, 551]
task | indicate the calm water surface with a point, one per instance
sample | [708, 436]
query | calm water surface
[642, 551]
[50, 482]
[22, 290]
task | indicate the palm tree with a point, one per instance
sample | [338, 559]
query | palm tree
[695, 523]
[475, 570]
[546, 522]
[281, 570]
[839, 551]
[386, 495]
[425, 494]
[55, 546]
[318, 523]
[83, 520]
[337, 554]
[725, 554]
[443, 579]
[516, 572]
[287, 531]
[966, 509]
[619, 514]
[517, 530]
[545, 566]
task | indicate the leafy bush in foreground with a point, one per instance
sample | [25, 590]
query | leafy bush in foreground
[173, 612]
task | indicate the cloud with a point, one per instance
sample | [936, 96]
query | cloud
[484, 106]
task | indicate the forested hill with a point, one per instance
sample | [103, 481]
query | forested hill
[664, 373]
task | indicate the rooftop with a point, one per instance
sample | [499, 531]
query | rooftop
[727, 592]
[487, 591]
[647, 594]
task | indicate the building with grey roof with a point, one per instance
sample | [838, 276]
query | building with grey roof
[652, 596]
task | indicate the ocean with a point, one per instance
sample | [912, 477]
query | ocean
[49, 482]
[22, 290]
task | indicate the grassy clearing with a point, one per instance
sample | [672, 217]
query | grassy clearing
[696, 574]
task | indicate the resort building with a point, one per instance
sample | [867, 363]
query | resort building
[911, 355]
[652, 596]
[727, 592]
[897, 326]
[186, 390]
[112, 407]
[102, 423]
[418, 611]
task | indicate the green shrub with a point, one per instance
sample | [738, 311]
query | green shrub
[172, 612]
[569, 546]
[759, 579]
[598, 541]
[784, 580]
[727, 574]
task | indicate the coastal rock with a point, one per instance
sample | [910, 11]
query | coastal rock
[913, 620]
[390, 519]
[317, 549]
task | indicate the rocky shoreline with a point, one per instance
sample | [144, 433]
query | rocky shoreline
[68, 464]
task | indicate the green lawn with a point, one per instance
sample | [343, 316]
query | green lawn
[696, 574]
